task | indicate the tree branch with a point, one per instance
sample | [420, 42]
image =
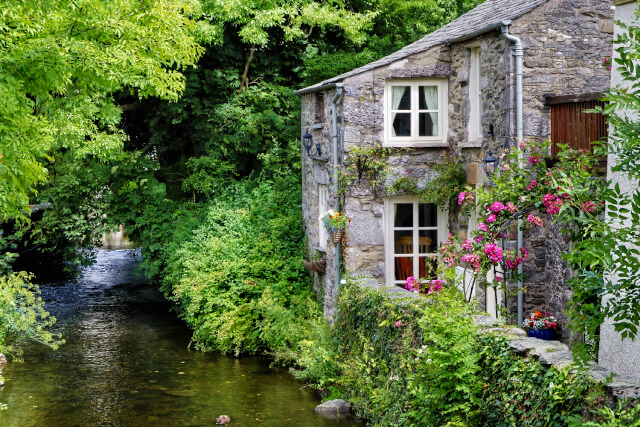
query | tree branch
[245, 80]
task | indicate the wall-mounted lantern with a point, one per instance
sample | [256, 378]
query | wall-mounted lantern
[490, 166]
[307, 143]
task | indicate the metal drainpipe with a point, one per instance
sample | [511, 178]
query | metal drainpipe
[336, 162]
[518, 52]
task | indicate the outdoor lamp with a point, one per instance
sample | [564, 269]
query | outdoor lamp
[307, 142]
[490, 166]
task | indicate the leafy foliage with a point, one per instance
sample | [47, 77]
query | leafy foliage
[59, 66]
[423, 362]
[517, 391]
[22, 314]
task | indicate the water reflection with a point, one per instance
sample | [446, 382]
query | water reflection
[126, 363]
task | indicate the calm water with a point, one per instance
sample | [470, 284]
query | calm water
[126, 363]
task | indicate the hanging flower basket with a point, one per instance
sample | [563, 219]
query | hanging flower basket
[319, 266]
[335, 223]
[337, 236]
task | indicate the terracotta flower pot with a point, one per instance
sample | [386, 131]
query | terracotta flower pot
[543, 334]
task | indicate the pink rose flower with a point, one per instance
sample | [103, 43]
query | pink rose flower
[496, 207]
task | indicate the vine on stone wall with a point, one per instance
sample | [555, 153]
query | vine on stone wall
[371, 164]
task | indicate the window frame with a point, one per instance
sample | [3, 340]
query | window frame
[443, 113]
[389, 228]
[475, 95]
[323, 206]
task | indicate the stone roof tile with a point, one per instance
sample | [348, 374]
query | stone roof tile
[491, 12]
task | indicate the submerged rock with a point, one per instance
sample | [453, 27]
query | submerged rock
[3, 360]
[223, 419]
[334, 407]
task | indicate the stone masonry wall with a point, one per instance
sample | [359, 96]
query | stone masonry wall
[319, 171]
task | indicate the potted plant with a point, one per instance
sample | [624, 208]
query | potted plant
[335, 223]
[540, 325]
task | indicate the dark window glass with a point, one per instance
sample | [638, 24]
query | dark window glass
[402, 124]
[427, 215]
[428, 241]
[404, 215]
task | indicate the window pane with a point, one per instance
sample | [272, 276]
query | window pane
[428, 266]
[403, 267]
[428, 124]
[404, 215]
[427, 215]
[401, 124]
[403, 241]
[401, 98]
[428, 97]
[428, 240]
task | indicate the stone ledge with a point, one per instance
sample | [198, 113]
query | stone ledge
[558, 355]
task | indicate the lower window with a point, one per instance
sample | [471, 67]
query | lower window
[413, 234]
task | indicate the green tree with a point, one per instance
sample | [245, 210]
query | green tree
[60, 64]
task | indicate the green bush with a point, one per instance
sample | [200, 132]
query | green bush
[233, 268]
[423, 362]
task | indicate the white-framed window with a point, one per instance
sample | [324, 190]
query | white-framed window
[323, 206]
[475, 96]
[416, 112]
[413, 233]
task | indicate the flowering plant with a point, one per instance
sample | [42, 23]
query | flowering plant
[334, 221]
[414, 285]
[540, 320]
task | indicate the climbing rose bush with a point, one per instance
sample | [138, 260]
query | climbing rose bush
[528, 189]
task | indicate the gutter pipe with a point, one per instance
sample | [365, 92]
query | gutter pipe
[336, 162]
[518, 52]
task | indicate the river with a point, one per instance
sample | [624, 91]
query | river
[126, 362]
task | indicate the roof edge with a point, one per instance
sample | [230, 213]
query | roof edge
[315, 88]
[481, 31]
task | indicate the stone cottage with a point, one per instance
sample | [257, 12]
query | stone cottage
[491, 77]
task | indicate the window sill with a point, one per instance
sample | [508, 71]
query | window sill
[321, 249]
[471, 144]
[435, 144]
[317, 126]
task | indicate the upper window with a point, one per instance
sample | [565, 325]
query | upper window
[414, 231]
[415, 112]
